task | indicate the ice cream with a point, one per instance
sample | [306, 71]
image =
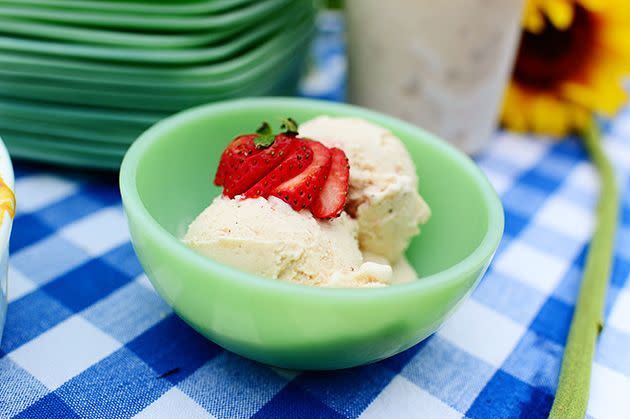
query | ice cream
[268, 238]
[281, 236]
[383, 193]
[402, 271]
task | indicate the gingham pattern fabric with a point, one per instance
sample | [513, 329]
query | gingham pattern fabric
[86, 335]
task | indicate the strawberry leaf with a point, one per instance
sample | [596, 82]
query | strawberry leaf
[289, 126]
[264, 140]
[264, 129]
[266, 137]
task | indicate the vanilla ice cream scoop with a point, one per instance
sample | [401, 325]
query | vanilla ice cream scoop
[268, 238]
[383, 193]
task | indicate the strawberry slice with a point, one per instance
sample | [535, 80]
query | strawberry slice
[302, 172]
[299, 158]
[234, 156]
[301, 190]
[332, 199]
[257, 164]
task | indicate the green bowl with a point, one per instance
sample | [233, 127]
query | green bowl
[78, 118]
[202, 7]
[159, 91]
[184, 56]
[61, 32]
[73, 133]
[255, 11]
[165, 183]
[27, 138]
[63, 157]
[103, 71]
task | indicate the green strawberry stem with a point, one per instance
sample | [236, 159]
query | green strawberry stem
[575, 374]
[265, 136]
[289, 126]
[265, 129]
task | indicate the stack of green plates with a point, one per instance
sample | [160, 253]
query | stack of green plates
[79, 80]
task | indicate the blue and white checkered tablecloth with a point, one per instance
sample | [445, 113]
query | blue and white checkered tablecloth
[87, 336]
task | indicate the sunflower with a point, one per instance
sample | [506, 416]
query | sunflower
[570, 64]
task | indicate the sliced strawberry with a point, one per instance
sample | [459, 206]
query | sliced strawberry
[234, 156]
[298, 158]
[330, 202]
[258, 164]
[302, 172]
[301, 190]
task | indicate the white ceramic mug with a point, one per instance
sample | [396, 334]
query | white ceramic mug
[6, 172]
[442, 65]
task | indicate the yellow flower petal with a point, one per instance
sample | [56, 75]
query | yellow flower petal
[594, 5]
[550, 117]
[533, 20]
[616, 40]
[512, 112]
[559, 12]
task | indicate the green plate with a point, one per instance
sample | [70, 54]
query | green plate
[203, 7]
[63, 158]
[135, 47]
[102, 71]
[207, 54]
[53, 155]
[82, 116]
[60, 32]
[266, 70]
[257, 11]
[134, 102]
[38, 127]
[285, 324]
[145, 102]
[61, 144]
[107, 134]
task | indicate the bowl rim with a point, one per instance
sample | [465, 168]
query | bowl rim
[477, 260]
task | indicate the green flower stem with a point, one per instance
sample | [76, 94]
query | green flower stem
[575, 375]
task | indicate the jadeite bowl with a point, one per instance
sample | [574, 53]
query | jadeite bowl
[165, 181]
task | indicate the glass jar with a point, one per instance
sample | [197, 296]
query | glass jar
[441, 65]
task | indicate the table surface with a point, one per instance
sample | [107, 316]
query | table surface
[87, 336]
